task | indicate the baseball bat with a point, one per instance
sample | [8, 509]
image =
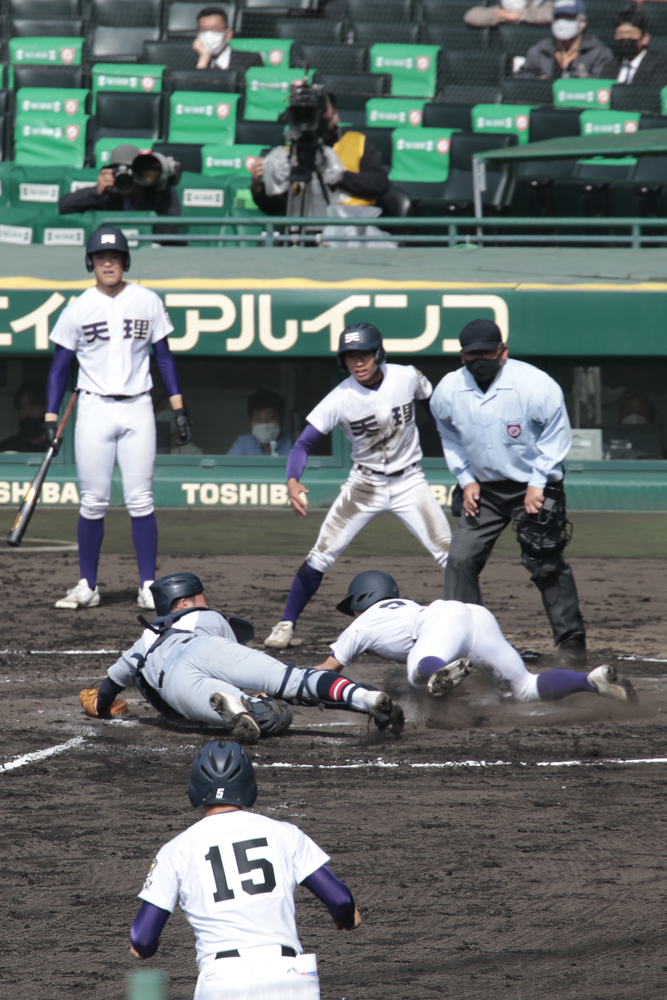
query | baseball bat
[25, 512]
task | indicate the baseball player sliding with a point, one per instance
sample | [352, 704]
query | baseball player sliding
[440, 643]
[190, 666]
[234, 874]
[110, 328]
[375, 406]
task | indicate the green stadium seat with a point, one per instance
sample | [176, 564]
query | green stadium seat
[235, 160]
[187, 154]
[56, 230]
[104, 147]
[67, 78]
[413, 68]
[447, 116]
[394, 112]
[36, 186]
[274, 51]
[512, 119]
[268, 90]
[56, 51]
[44, 28]
[48, 139]
[115, 110]
[420, 155]
[119, 77]
[52, 101]
[591, 93]
[120, 44]
[74, 180]
[202, 117]
[17, 225]
[609, 122]
[362, 85]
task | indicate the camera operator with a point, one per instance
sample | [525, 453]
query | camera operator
[349, 166]
[119, 190]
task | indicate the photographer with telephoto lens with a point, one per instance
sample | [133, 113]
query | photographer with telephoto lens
[133, 182]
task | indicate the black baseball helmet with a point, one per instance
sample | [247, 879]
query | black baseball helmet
[360, 337]
[169, 588]
[107, 238]
[222, 774]
[367, 589]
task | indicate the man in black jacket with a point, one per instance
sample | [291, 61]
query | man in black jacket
[104, 197]
[212, 43]
[571, 52]
[636, 64]
[363, 178]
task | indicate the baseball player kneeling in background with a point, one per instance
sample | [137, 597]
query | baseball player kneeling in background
[110, 328]
[375, 407]
[190, 666]
[234, 874]
[441, 642]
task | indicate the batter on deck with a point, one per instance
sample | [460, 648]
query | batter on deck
[375, 407]
[110, 328]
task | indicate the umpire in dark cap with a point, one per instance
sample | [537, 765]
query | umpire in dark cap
[505, 434]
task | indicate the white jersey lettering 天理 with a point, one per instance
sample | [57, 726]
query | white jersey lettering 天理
[112, 336]
[379, 423]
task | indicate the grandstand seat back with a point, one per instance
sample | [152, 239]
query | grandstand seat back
[363, 85]
[265, 134]
[236, 160]
[459, 93]
[314, 30]
[41, 9]
[175, 55]
[120, 44]
[126, 78]
[632, 98]
[595, 170]
[273, 51]
[652, 121]
[182, 17]
[394, 112]
[187, 154]
[49, 76]
[447, 116]
[267, 91]
[369, 32]
[440, 12]
[50, 141]
[485, 68]
[331, 58]
[227, 81]
[202, 117]
[381, 11]
[651, 170]
[420, 154]
[50, 51]
[460, 37]
[123, 114]
[413, 68]
[527, 91]
[127, 13]
[396, 203]
[553, 123]
[51, 101]
[47, 28]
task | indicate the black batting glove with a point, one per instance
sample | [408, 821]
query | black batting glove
[50, 429]
[184, 426]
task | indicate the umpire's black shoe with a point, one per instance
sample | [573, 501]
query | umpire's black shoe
[573, 649]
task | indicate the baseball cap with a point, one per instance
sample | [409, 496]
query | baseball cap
[568, 7]
[123, 155]
[480, 335]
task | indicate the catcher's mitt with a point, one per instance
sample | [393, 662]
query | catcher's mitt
[88, 696]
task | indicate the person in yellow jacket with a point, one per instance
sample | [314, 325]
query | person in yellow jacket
[361, 181]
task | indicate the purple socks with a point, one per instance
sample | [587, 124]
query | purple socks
[89, 535]
[304, 585]
[553, 684]
[144, 536]
[428, 665]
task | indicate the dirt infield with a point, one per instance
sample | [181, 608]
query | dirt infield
[534, 870]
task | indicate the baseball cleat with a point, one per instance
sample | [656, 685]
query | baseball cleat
[447, 678]
[387, 714]
[80, 596]
[610, 685]
[281, 635]
[145, 597]
[240, 724]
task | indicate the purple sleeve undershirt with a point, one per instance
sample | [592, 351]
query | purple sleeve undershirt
[57, 380]
[146, 929]
[297, 458]
[106, 695]
[334, 894]
[164, 360]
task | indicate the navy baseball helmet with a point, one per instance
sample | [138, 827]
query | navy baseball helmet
[366, 590]
[107, 238]
[169, 588]
[360, 337]
[222, 774]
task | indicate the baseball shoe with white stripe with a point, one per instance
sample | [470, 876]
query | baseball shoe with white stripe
[386, 714]
[80, 596]
[609, 684]
[447, 678]
[281, 635]
[240, 724]
[145, 597]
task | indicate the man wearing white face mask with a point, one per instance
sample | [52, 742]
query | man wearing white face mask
[212, 43]
[572, 51]
[266, 410]
[510, 12]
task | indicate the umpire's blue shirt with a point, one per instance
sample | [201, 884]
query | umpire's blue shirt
[518, 429]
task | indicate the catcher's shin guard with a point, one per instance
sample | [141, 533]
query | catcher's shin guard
[273, 717]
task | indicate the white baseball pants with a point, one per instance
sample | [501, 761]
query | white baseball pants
[108, 429]
[365, 496]
[260, 974]
[451, 630]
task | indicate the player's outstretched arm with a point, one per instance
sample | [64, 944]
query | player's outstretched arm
[102, 703]
[296, 463]
[336, 896]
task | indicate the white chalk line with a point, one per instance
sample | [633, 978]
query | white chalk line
[31, 758]
[467, 764]
[57, 652]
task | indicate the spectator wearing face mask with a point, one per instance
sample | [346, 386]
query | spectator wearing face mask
[572, 50]
[212, 43]
[29, 402]
[636, 64]
[510, 12]
[266, 410]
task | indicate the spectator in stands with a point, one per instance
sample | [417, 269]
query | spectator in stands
[572, 51]
[635, 63]
[510, 12]
[104, 197]
[266, 410]
[637, 410]
[212, 43]
[29, 403]
[361, 179]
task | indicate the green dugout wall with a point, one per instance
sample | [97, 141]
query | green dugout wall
[270, 307]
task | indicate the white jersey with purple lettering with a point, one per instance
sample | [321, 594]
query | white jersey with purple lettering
[112, 336]
[379, 423]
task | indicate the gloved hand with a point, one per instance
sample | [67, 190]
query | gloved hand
[88, 699]
[184, 426]
[50, 428]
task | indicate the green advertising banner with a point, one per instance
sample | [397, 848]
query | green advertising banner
[608, 122]
[144, 79]
[45, 51]
[238, 160]
[274, 51]
[202, 117]
[51, 101]
[413, 68]
[394, 112]
[582, 93]
[420, 154]
[48, 139]
[510, 118]
[104, 148]
[268, 89]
